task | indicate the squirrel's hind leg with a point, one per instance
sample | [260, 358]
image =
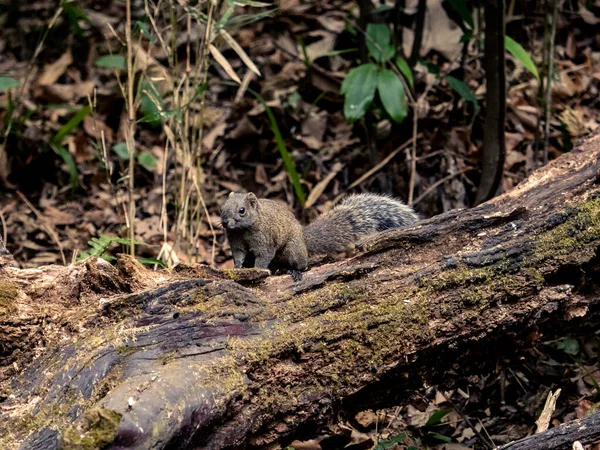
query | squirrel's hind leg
[294, 256]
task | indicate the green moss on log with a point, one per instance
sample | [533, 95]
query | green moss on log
[97, 429]
[569, 241]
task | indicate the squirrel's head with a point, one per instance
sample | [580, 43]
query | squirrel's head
[239, 211]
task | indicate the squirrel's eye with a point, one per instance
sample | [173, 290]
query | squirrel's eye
[242, 210]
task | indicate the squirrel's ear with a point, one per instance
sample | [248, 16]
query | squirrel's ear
[252, 200]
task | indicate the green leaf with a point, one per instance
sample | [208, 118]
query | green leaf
[431, 67]
[437, 416]
[152, 261]
[463, 90]
[158, 116]
[466, 36]
[338, 52]
[99, 245]
[440, 437]
[359, 88]
[521, 55]
[569, 346]
[200, 89]
[74, 15]
[147, 161]
[8, 83]
[384, 444]
[121, 150]
[152, 105]
[68, 127]
[68, 160]
[391, 93]
[405, 69]
[142, 28]
[463, 10]
[378, 42]
[112, 62]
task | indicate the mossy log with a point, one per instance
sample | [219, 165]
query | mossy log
[120, 357]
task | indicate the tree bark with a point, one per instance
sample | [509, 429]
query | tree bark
[585, 430]
[96, 356]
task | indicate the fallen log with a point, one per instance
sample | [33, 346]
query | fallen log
[585, 430]
[96, 356]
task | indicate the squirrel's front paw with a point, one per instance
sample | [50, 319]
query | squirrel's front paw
[296, 275]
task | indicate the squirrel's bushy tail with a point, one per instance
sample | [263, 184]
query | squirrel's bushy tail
[355, 217]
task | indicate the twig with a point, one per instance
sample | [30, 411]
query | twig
[396, 412]
[130, 132]
[4, 229]
[379, 166]
[45, 225]
[439, 182]
[517, 379]
[413, 156]
[458, 409]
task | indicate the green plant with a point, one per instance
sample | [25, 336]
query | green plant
[512, 46]
[99, 247]
[8, 83]
[61, 134]
[363, 82]
[173, 97]
[144, 159]
[384, 444]
[285, 155]
[571, 347]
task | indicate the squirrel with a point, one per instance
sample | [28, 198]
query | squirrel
[267, 231]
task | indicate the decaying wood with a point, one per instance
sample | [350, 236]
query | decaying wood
[585, 430]
[96, 356]
[543, 421]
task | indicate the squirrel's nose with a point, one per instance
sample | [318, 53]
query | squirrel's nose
[228, 223]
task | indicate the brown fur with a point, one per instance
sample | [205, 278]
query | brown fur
[269, 232]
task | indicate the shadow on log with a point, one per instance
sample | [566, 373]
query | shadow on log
[96, 356]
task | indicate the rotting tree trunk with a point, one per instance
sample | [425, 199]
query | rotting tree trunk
[585, 430]
[96, 356]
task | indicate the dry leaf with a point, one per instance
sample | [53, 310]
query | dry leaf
[94, 127]
[214, 51]
[306, 445]
[366, 418]
[54, 71]
[70, 92]
[240, 51]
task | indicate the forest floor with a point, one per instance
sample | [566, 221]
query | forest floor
[52, 205]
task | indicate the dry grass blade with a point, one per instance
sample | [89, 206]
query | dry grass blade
[240, 51]
[214, 51]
